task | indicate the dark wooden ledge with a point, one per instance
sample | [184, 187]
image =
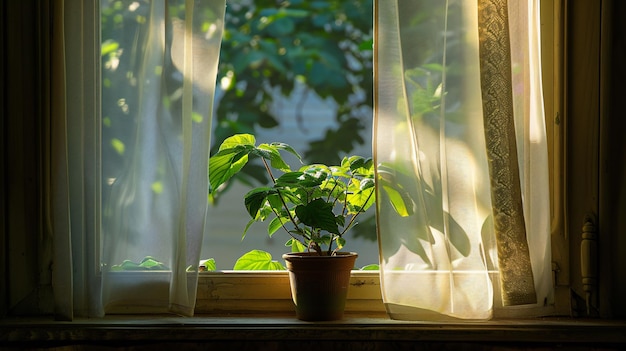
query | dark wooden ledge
[285, 332]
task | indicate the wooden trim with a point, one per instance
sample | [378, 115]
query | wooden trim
[245, 292]
[3, 164]
[553, 78]
[605, 156]
[582, 126]
[612, 172]
[284, 332]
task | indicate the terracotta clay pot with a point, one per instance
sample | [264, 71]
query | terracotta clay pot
[319, 284]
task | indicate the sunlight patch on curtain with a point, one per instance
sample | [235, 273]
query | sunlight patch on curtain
[128, 183]
[438, 252]
[155, 206]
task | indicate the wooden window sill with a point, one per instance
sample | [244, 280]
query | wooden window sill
[373, 330]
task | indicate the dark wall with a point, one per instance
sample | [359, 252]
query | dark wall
[23, 108]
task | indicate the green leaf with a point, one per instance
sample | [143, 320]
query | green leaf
[128, 265]
[281, 27]
[367, 183]
[327, 75]
[274, 199]
[355, 162]
[361, 200]
[236, 141]
[318, 214]
[148, 263]
[108, 46]
[366, 45]
[341, 220]
[288, 148]
[148, 258]
[298, 179]
[341, 242]
[255, 199]
[319, 171]
[230, 158]
[243, 235]
[271, 153]
[322, 240]
[152, 264]
[257, 260]
[397, 200]
[276, 224]
[370, 267]
[118, 145]
[295, 196]
[266, 120]
[208, 264]
[248, 58]
[222, 166]
[296, 246]
[361, 165]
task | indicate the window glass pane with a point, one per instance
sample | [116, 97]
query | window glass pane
[124, 27]
[298, 72]
[158, 79]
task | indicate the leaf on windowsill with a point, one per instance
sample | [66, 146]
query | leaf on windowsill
[207, 265]
[257, 260]
[149, 263]
[370, 267]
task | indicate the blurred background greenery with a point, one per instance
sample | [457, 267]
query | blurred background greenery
[297, 71]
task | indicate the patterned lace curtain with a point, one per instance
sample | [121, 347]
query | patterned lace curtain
[460, 141]
[130, 138]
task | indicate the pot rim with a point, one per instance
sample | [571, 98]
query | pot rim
[314, 255]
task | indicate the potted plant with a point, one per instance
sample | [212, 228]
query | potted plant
[315, 206]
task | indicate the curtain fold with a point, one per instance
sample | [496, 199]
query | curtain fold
[57, 201]
[136, 136]
[438, 244]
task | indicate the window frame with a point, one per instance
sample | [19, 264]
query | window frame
[207, 281]
[553, 61]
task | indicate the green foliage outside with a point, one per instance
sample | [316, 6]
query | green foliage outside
[269, 47]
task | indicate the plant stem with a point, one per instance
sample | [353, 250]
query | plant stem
[345, 229]
[269, 171]
[282, 200]
[287, 230]
[345, 203]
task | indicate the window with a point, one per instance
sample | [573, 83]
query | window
[311, 91]
[260, 60]
[305, 70]
[28, 266]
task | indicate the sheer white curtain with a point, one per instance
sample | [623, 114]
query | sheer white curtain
[441, 255]
[128, 182]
